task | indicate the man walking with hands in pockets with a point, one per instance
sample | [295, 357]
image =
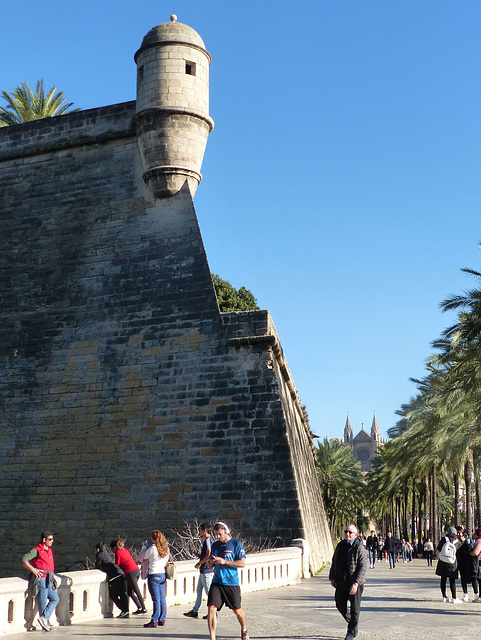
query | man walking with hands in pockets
[347, 576]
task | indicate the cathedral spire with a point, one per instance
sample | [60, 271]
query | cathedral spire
[375, 433]
[348, 431]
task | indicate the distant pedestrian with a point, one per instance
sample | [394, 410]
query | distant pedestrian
[372, 544]
[391, 545]
[409, 551]
[429, 551]
[347, 576]
[415, 549]
[39, 561]
[380, 548]
[404, 550]
[206, 573]
[227, 556]
[447, 566]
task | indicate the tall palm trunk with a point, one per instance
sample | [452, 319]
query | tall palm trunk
[431, 506]
[413, 513]
[420, 515]
[457, 514]
[477, 488]
[426, 506]
[398, 517]
[468, 483]
[434, 521]
[405, 513]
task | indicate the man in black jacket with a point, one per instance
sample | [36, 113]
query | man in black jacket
[372, 546]
[347, 576]
[391, 545]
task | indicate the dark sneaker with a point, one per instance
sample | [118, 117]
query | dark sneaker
[151, 625]
[136, 613]
[124, 614]
[161, 623]
[191, 614]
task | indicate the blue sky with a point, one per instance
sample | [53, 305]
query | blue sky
[341, 182]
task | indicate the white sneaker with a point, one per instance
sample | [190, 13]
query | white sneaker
[445, 599]
[465, 598]
[456, 601]
[43, 622]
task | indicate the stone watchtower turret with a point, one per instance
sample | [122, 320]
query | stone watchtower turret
[172, 119]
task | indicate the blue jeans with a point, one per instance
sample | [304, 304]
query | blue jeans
[372, 556]
[46, 594]
[392, 559]
[156, 584]
[204, 583]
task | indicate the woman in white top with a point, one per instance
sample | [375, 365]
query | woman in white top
[429, 551]
[158, 556]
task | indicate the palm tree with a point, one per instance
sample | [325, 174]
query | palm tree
[24, 105]
[460, 352]
[341, 482]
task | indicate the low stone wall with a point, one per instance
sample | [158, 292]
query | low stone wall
[84, 594]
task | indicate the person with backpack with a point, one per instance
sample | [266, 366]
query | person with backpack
[447, 566]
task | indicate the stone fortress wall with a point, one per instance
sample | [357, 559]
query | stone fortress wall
[127, 401]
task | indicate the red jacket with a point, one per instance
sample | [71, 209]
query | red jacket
[124, 560]
[44, 560]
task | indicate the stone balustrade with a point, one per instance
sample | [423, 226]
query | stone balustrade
[84, 594]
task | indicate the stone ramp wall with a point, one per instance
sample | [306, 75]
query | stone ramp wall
[128, 401]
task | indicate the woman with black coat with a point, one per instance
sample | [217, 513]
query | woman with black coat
[446, 569]
[467, 566]
[116, 579]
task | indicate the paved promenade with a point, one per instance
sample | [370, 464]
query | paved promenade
[400, 603]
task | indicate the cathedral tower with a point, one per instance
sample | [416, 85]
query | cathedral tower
[172, 119]
[375, 433]
[348, 431]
